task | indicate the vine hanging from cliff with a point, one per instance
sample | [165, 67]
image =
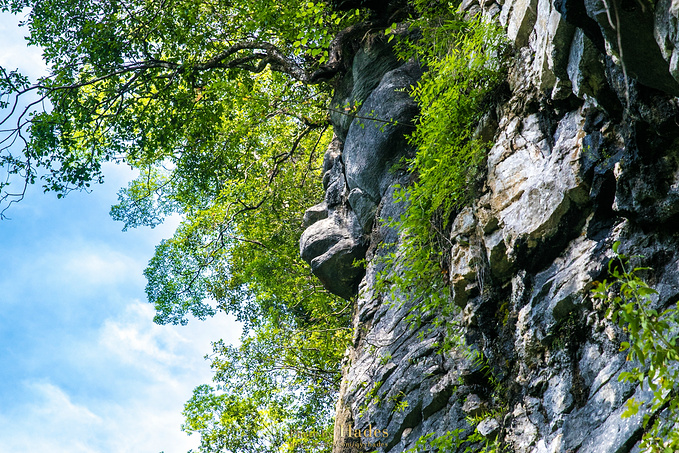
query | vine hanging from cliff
[464, 63]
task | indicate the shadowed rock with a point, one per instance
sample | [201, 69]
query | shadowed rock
[357, 173]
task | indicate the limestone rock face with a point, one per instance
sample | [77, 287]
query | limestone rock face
[585, 153]
[360, 164]
[374, 147]
[334, 239]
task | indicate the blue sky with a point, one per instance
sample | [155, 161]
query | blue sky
[82, 366]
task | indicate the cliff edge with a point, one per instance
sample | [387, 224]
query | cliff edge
[584, 154]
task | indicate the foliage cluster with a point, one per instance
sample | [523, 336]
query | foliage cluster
[464, 67]
[214, 104]
[455, 440]
[262, 404]
[144, 82]
[652, 344]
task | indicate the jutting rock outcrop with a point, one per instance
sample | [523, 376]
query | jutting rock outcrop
[585, 153]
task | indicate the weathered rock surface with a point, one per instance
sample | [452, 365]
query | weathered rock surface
[585, 153]
[373, 147]
[360, 166]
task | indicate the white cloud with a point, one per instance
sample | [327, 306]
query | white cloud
[71, 273]
[58, 406]
[137, 340]
[14, 53]
[162, 365]
[164, 352]
[98, 267]
[54, 423]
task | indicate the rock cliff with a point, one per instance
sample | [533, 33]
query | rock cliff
[585, 154]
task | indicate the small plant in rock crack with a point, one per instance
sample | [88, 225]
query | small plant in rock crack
[652, 344]
[371, 398]
[401, 404]
[455, 441]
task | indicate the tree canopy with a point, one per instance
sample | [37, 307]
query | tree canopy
[220, 106]
[143, 82]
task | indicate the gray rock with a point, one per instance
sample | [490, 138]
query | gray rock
[332, 154]
[534, 185]
[617, 430]
[600, 407]
[372, 61]
[522, 432]
[551, 46]
[373, 147]
[474, 405]
[667, 34]
[558, 399]
[335, 185]
[331, 246]
[632, 26]
[315, 213]
[559, 289]
[648, 191]
[465, 264]
[364, 207]
[519, 17]
[464, 224]
[489, 428]
[585, 67]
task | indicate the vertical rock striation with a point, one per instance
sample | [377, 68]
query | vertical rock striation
[585, 153]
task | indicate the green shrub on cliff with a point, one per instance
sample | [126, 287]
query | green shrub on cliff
[652, 345]
[453, 95]
[464, 66]
[217, 105]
